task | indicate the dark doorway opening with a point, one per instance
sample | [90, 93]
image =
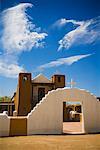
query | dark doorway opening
[41, 93]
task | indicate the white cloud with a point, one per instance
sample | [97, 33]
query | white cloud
[59, 23]
[63, 61]
[18, 34]
[9, 66]
[85, 33]
[62, 22]
[11, 70]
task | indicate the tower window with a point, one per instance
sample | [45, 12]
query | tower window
[59, 79]
[25, 78]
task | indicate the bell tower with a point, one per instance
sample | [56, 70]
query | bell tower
[23, 94]
[59, 81]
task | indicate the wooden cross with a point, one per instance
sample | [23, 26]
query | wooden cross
[72, 83]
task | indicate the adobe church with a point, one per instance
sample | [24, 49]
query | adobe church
[31, 91]
[41, 107]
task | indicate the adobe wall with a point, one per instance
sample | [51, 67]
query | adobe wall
[35, 91]
[16, 99]
[18, 126]
[36, 87]
[47, 116]
[4, 124]
[12, 126]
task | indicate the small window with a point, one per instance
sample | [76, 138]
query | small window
[59, 79]
[25, 78]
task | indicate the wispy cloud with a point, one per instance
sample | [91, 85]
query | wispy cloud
[9, 66]
[10, 70]
[59, 23]
[86, 32]
[18, 34]
[62, 22]
[63, 61]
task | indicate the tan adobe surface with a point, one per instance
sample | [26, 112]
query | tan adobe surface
[41, 79]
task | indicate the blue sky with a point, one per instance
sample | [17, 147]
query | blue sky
[50, 36]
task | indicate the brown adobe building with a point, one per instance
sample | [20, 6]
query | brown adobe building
[31, 91]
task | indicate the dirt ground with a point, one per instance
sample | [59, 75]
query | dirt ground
[51, 142]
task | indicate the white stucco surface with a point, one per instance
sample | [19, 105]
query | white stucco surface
[47, 116]
[4, 124]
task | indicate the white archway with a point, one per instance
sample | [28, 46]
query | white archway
[47, 116]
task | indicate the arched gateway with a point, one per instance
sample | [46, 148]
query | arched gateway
[47, 116]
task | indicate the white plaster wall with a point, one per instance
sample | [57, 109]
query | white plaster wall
[98, 116]
[4, 124]
[47, 116]
[91, 113]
